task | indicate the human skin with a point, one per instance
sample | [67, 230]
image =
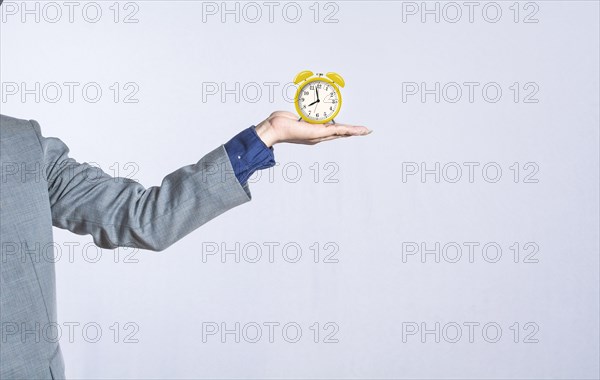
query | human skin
[282, 126]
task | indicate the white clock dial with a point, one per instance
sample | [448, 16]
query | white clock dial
[318, 100]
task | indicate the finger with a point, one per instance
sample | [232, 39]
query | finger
[340, 125]
[318, 131]
[328, 138]
[343, 130]
[321, 139]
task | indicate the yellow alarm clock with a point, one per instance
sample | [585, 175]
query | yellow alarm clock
[318, 98]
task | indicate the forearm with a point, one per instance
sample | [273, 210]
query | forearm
[121, 212]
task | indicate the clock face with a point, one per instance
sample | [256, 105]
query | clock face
[318, 100]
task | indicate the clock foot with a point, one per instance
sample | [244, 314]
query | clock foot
[332, 121]
[299, 119]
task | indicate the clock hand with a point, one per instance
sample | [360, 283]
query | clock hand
[316, 101]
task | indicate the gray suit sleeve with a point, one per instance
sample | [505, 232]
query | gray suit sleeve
[121, 212]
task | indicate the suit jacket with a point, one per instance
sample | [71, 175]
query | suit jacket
[41, 187]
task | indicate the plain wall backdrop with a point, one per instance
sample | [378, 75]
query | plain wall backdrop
[369, 307]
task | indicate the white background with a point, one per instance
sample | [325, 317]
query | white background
[368, 213]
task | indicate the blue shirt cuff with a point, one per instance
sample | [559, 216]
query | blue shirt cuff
[248, 153]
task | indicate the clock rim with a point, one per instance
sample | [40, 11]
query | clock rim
[317, 79]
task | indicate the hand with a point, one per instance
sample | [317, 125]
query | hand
[284, 126]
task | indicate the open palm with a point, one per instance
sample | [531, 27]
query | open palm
[283, 126]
